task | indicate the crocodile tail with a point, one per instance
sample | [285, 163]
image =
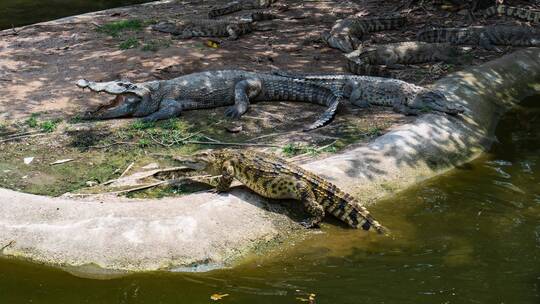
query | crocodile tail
[329, 113]
[349, 210]
[369, 222]
[232, 7]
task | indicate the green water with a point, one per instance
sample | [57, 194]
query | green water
[23, 12]
[471, 236]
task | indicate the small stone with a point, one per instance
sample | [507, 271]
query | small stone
[28, 160]
[151, 166]
[91, 183]
[234, 128]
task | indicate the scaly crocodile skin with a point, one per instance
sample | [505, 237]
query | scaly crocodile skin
[346, 33]
[511, 11]
[374, 60]
[205, 28]
[275, 178]
[485, 36]
[236, 6]
[403, 97]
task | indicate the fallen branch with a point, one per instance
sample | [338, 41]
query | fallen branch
[113, 144]
[136, 188]
[8, 245]
[127, 169]
[219, 143]
[22, 136]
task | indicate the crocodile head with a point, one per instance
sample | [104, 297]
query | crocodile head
[210, 161]
[126, 93]
[434, 100]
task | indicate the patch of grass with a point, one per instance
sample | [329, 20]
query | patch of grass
[115, 28]
[290, 150]
[32, 122]
[155, 45]
[75, 119]
[143, 143]
[129, 43]
[141, 125]
[49, 125]
[295, 149]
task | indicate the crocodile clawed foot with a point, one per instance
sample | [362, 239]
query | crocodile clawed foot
[309, 224]
[233, 112]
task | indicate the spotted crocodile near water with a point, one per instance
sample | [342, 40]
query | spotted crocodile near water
[240, 5]
[363, 91]
[485, 36]
[275, 178]
[512, 11]
[163, 99]
[346, 34]
[376, 60]
[231, 28]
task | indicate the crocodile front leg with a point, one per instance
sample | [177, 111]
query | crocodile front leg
[243, 91]
[168, 108]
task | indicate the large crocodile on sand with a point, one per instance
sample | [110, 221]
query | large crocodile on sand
[231, 28]
[274, 177]
[156, 100]
[239, 5]
[376, 60]
[484, 36]
[363, 91]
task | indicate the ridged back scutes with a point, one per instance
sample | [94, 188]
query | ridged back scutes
[511, 11]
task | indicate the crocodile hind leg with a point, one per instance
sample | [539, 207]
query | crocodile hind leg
[315, 210]
[168, 108]
[243, 91]
[357, 99]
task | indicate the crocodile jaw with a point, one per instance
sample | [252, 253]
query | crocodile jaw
[114, 87]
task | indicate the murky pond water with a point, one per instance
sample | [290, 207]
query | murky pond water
[23, 12]
[471, 236]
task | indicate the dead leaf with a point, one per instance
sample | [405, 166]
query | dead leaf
[310, 299]
[211, 43]
[217, 296]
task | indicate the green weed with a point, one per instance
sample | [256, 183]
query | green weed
[141, 125]
[115, 28]
[49, 125]
[129, 43]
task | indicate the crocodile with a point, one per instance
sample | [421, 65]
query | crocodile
[484, 36]
[231, 28]
[240, 5]
[163, 99]
[346, 33]
[363, 91]
[273, 177]
[375, 60]
[512, 11]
